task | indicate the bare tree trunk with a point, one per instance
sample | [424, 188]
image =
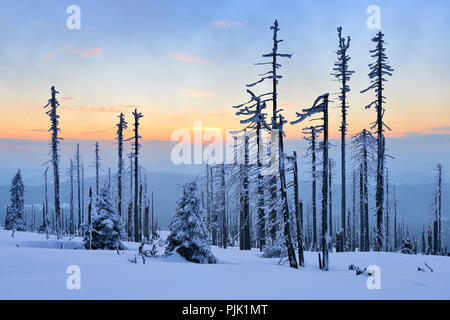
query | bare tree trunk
[90, 218]
[439, 209]
[122, 125]
[72, 218]
[46, 199]
[147, 221]
[140, 212]
[354, 213]
[395, 220]
[208, 198]
[314, 192]
[284, 201]
[325, 187]
[97, 166]
[153, 224]
[298, 215]
[387, 242]
[79, 189]
[362, 241]
[366, 204]
[261, 210]
[137, 116]
[330, 204]
[379, 197]
[82, 198]
[246, 205]
[53, 102]
[224, 213]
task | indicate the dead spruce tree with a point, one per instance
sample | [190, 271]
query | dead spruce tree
[137, 115]
[276, 125]
[321, 106]
[130, 233]
[387, 241]
[272, 96]
[78, 159]
[89, 221]
[255, 122]
[97, 167]
[353, 219]
[244, 217]
[298, 212]
[82, 195]
[71, 208]
[437, 226]
[223, 231]
[342, 74]
[378, 70]
[311, 135]
[45, 213]
[364, 153]
[121, 126]
[395, 219]
[54, 144]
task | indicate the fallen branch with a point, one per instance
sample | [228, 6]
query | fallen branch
[428, 266]
[134, 260]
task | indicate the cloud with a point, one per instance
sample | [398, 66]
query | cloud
[112, 109]
[89, 53]
[445, 129]
[66, 98]
[226, 24]
[182, 57]
[49, 57]
[38, 130]
[198, 94]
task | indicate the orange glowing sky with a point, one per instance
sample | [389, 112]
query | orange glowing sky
[196, 65]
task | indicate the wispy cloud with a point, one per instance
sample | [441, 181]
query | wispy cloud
[66, 98]
[445, 129]
[182, 57]
[89, 53]
[112, 109]
[226, 24]
[198, 94]
[38, 130]
[49, 57]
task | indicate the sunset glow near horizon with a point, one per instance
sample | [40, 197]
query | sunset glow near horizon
[180, 62]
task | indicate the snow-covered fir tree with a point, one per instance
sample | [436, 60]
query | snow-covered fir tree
[188, 233]
[15, 212]
[106, 223]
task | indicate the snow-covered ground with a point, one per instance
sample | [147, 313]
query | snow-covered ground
[32, 267]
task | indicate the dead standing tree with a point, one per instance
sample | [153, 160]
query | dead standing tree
[321, 106]
[54, 118]
[137, 115]
[378, 70]
[312, 136]
[78, 158]
[71, 208]
[256, 122]
[342, 74]
[121, 126]
[364, 150]
[97, 168]
[277, 124]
